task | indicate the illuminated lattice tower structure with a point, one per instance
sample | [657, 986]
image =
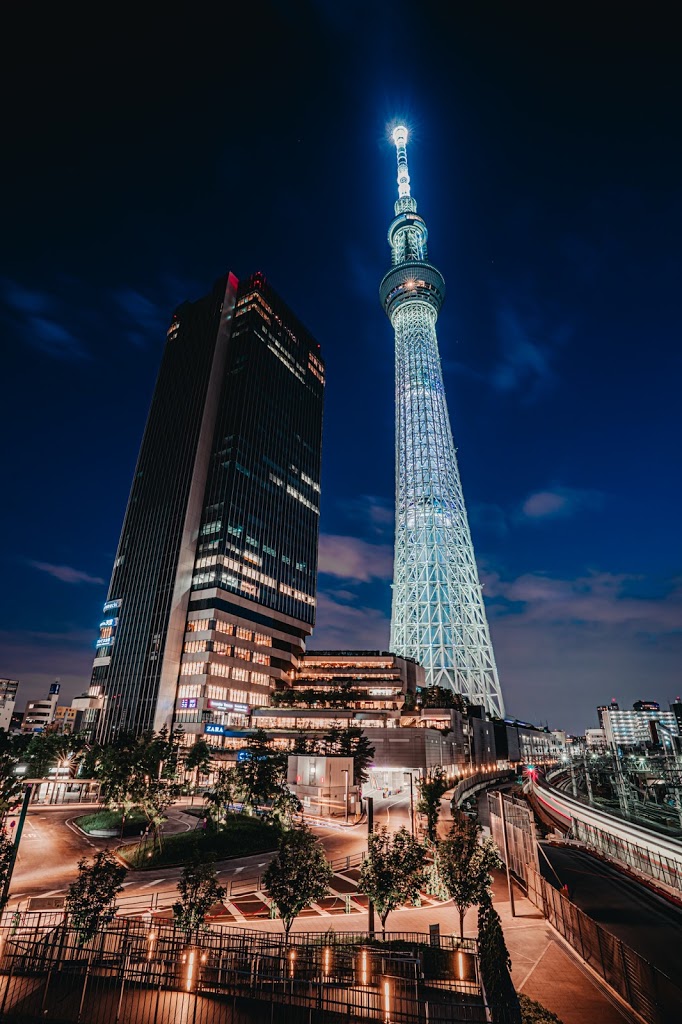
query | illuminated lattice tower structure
[438, 616]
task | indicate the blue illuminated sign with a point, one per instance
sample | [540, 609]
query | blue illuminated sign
[108, 622]
[214, 729]
[112, 606]
[107, 642]
[243, 755]
[188, 702]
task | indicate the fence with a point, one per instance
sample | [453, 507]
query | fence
[520, 827]
[137, 974]
[158, 899]
[647, 990]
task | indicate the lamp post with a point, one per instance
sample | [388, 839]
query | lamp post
[411, 800]
[345, 772]
[370, 827]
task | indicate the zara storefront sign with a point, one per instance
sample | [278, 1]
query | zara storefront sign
[215, 730]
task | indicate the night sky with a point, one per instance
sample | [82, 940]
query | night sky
[143, 159]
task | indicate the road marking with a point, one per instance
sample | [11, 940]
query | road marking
[123, 884]
[52, 892]
[237, 870]
[155, 882]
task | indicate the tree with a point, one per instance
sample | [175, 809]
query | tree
[221, 796]
[350, 742]
[198, 760]
[6, 858]
[298, 876]
[495, 966]
[10, 784]
[464, 864]
[199, 890]
[140, 771]
[443, 697]
[260, 775]
[431, 789]
[93, 892]
[392, 874]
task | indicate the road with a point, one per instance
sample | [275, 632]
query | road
[644, 921]
[51, 847]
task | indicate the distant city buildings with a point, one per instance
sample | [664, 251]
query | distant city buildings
[213, 590]
[8, 698]
[39, 714]
[637, 729]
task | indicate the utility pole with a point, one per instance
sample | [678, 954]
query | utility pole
[15, 848]
[588, 780]
[574, 785]
[506, 852]
[370, 827]
[345, 772]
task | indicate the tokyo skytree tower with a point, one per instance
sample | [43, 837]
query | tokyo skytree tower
[438, 616]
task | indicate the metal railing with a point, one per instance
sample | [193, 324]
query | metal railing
[652, 994]
[135, 973]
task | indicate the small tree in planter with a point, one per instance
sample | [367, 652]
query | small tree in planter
[92, 894]
[298, 876]
[431, 790]
[199, 890]
[392, 874]
[495, 966]
[198, 760]
[463, 865]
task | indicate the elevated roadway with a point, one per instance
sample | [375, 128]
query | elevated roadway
[650, 855]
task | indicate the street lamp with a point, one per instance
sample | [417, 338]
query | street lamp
[345, 772]
[411, 800]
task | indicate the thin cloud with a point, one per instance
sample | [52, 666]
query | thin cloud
[348, 627]
[559, 503]
[353, 559]
[142, 318]
[35, 317]
[596, 599]
[563, 646]
[528, 349]
[370, 510]
[66, 573]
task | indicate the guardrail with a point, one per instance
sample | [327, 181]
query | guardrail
[653, 856]
[158, 899]
[652, 994]
[478, 781]
[136, 973]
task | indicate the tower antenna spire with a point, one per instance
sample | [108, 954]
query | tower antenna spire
[400, 139]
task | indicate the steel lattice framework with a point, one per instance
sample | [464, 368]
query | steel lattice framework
[438, 616]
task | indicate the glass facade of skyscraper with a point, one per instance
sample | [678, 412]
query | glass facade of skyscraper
[213, 589]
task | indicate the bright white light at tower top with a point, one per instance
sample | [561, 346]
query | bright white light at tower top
[400, 140]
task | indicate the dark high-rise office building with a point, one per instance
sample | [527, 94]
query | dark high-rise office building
[213, 589]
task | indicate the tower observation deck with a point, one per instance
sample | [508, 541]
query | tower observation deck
[438, 616]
